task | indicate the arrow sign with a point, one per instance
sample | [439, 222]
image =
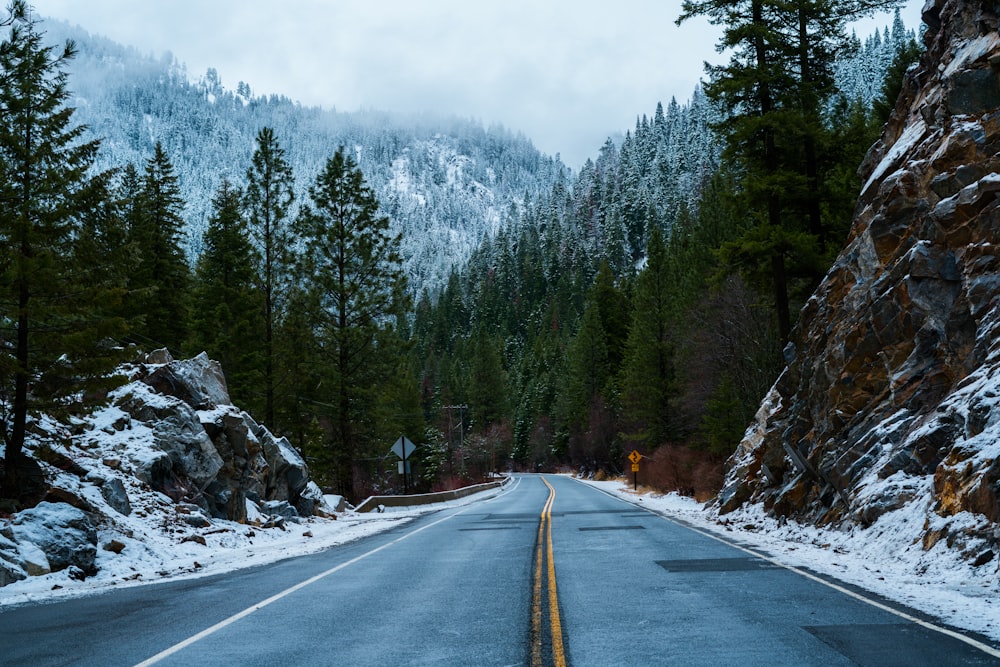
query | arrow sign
[635, 456]
[403, 448]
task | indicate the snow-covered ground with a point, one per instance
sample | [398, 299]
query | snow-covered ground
[883, 559]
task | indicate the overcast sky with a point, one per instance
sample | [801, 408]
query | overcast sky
[566, 73]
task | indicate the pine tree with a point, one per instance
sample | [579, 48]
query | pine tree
[892, 84]
[583, 388]
[298, 406]
[774, 89]
[487, 393]
[613, 308]
[648, 380]
[226, 303]
[269, 196]
[351, 265]
[160, 285]
[52, 333]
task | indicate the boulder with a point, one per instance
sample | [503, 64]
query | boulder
[279, 508]
[159, 357]
[12, 565]
[288, 474]
[113, 491]
[310, 500]
[204, 450]
[199, 382]
[183, 459]
[62, 532]
[245, 469]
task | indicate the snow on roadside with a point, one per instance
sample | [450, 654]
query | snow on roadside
[886, 559]
[153, 555]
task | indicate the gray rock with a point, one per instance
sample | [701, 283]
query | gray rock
[309, 500]
[12, 565]
[279, 508]
[177, 433]
[974, 92]
[63, 533]
[244, 471]
[199, 382]
[36, 563]
[114, 493]
[161, 356]
[10, 572]
[288, 472]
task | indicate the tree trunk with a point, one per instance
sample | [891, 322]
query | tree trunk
[12, 486]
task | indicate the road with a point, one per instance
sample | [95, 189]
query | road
[551, 571]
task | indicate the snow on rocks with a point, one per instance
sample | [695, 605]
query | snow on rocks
[64, 535]
[161, 478]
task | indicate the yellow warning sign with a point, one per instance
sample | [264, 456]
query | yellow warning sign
[635, 457]
[635, 467]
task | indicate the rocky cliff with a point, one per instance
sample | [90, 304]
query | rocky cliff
[170, 450]
[891, 394]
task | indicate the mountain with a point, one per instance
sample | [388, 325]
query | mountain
[446, 183]
[889, 401]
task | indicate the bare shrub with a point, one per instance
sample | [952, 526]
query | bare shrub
[686, 471]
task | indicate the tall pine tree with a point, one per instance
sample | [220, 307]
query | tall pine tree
[269, 196]
[648, 376]
[52, 335]
[225, 319]
[161, 282]
[351, 266]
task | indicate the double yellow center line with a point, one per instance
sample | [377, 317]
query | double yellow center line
[545, 575]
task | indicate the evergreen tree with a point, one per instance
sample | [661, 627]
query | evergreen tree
[226, 309]
[487, 384]
[750, 88]
[54, 319]
[892, 84]
[350, 264]
[161, 282]
[269, 196]
[613, 308]
[648, 381]
[582, 403]
[299, 405]
[778, 81]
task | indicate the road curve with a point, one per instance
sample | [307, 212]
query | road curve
[550, 571]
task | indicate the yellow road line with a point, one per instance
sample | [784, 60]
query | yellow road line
[543, 552]
[558, 653]
[536, 601]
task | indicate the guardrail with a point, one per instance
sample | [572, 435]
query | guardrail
[372, 502]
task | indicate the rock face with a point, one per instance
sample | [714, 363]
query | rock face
[171, 429]
[206, 451]
[892, 375]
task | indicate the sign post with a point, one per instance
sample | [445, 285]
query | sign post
[403, 448]
[635, 457]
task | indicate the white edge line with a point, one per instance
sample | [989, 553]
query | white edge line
[166, 653]
[985, 648]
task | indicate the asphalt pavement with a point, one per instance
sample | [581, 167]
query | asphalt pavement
[550, 571]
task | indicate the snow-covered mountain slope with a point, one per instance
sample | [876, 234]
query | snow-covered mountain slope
[445, 182]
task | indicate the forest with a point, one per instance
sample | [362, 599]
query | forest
[361, 277]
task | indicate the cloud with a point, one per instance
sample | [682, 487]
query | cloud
[566, 73]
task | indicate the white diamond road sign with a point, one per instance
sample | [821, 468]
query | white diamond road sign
[403, 448]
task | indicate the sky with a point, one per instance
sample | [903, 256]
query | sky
[566, 73]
